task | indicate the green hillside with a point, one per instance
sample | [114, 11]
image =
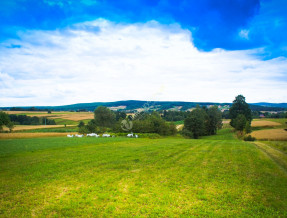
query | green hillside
[148, 105]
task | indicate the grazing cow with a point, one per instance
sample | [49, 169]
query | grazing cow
[70, 136]
[79, 136]
[136, 136]
[106, 135]
[130, 135]
[93, 135]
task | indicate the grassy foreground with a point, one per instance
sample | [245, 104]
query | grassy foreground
[139, 177]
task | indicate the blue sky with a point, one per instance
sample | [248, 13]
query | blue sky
[55, 52]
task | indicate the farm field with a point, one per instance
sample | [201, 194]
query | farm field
[270, 129]
[270, 134]
[31, 127]
[264, 123]
[19, 135]
[213, 176]
[61, 117]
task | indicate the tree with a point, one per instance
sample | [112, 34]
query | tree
[4, 120]
[239, 106]
[120, 115]
[10, 125]
[83, 130]
[104, 117]
[240, 122]
[150, 123]
[214, 121]
[195, 123]
[81, 124]
[247, 127]
[92, 126]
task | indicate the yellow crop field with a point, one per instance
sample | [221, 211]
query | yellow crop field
[26, 112]
[270, 134]
[74, 116]
[29, 127]
[264, 123]
[31, 135]
[68, 116]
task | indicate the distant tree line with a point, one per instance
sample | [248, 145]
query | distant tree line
[257, 114]
[265, 108]
[202, 121]
[29, 109]
[174, 115]
[27, 120]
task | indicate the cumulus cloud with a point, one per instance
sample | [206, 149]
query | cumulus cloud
[212, 19]
[105, 61]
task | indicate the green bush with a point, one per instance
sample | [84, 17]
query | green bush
[186, 133]
[249, 138]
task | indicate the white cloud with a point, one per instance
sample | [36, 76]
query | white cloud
[121, 62]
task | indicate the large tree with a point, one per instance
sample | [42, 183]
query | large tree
[195, 123]
[202, 121]
[104, 117]
[214, 121]
[240, 122]
[4, 120]
[238, 107]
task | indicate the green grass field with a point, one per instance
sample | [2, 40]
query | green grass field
[59, 129]
[213, 176]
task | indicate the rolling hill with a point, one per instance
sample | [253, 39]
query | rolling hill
[131, 105]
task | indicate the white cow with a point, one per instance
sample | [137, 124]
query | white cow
[130, 135]
[93, 135]
[79, 136]
[136, 136]
[70, 136]
[106, 135]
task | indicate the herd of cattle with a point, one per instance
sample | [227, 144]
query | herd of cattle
[96, 135]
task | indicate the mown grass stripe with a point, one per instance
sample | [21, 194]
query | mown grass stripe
[276, 155]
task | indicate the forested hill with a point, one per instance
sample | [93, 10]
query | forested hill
[132, 105]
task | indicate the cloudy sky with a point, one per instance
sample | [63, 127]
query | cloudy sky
[57, 52]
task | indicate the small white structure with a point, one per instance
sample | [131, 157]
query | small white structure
[93, 135]
[70, 136]
[106, 135]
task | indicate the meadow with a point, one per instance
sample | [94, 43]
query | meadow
[173, 176]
